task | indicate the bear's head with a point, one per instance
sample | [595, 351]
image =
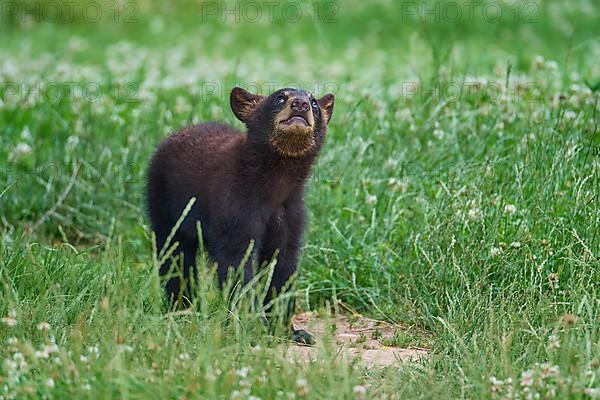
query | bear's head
[291, 121]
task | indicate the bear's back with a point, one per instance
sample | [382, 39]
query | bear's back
[189, 163]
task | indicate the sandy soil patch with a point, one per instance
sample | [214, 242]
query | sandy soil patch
[376, 343]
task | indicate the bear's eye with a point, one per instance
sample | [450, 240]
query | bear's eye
[280, 100]
[314, 104]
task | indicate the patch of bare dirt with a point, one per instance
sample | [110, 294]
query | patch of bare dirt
[375, 343]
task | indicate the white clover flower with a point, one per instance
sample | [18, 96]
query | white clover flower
[72, 142]
[549, 370]
[552, 65]
[9, 321]
[360, 391]
[538, 62]
[570, 115]
[256, 348]
[515, 245]
[439, 134]
[41, 354]
[242, 372]
[77, 44]
[83, 359]
[510, 209]
[49, 383]
[553, 280]
[496, 385]
[21, 149]
[182, 106]
[210, 377]
[404, 115]
[236, 394]
[397, 184]
[245, 383]
[553, 342]
[527, 378]
[576, 88]
[495, 251]
[302, 386]
[21, 363]
[51, 348]
[473, 213]
[126, 348]
[117, 119]
[43, 326]
[495, 381]
[371, 200]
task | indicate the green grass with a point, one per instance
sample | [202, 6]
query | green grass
[475, 220]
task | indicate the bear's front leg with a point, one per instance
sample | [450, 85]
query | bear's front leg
[284, 233]
[228, 246]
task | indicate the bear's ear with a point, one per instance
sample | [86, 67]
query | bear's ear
[243, 103]
[326, 104]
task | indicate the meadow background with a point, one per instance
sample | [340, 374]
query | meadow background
[457, 195]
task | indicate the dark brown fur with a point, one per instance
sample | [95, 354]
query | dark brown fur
[247, 186]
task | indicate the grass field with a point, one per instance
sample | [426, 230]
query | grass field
[457, 194]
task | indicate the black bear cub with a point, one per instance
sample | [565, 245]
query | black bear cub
[247, 187]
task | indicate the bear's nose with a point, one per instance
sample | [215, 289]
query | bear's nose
[300, 104]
